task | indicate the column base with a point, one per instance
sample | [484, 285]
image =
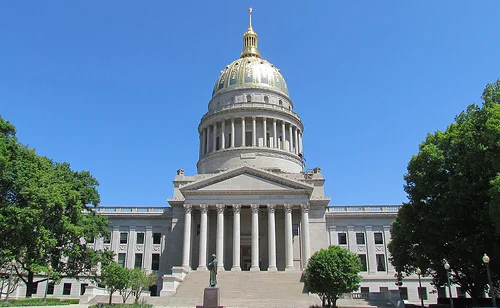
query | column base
[236, 269]
[201, 269]
[220, 268]
[255, 269]
[289, 269]
[272, 269]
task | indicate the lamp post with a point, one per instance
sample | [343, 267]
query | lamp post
[447, 268]
[13, 263]
[49, 269]
[419, 272]
[486, 261]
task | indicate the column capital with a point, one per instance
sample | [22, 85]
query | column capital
[236, 208]
[304, 207]
[271, 208]
[204, 208]
[232, 120]
[253, 118]
[255, 208]
[274, 120]
[288, 208]
[188, 208]
[220, 208]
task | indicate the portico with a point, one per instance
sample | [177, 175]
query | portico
[254, 215]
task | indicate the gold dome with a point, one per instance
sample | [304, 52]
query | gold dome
[250, 70]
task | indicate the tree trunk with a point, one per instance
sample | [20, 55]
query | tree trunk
[29, 284]
[110, 297]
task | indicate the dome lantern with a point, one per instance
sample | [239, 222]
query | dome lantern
[250, 39]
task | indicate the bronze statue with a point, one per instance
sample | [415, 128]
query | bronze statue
[212, 267]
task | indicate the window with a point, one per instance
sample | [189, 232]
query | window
[50, 288]
[280, 103]
[217, 144]
[156, 238]
[365, 290]
[138, 260]
[295, 230]
[106, 239]
[342, 239]
[384, 290]
[34, 288]
[362, 258]
[441, 292]
[266, 99]
[155, 262]
[422, 293]
[249, 99]
[248, 139]
[404, 293]
[381, 263]
[379, 240]
[460, 292]
[121, 259]
[67, 289]
[228, 141]
[140, 238]
[83, 288]
[123, 238]
[360, 238]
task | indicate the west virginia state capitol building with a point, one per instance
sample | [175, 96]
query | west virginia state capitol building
[252, 203]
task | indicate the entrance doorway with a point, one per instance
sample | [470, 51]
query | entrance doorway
[246, 257]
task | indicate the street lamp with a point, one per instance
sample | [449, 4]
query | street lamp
[13, 263]
[486, 261]
[447, 268]
[419, 272]
[49, 269]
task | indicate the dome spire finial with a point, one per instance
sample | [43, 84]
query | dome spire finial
[250, 13]
[250, 39]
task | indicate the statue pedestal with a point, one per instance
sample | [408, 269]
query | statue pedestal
[211, 298]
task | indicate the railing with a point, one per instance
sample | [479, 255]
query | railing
[125, 209]
[371, 295]
[368, 208]
[250, 105]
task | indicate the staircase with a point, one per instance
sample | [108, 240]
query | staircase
[243, 289]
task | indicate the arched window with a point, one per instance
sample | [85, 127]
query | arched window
[280, 103]
[249, 98]
[266, 99]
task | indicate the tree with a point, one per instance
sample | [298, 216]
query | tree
[332, 272]
[116, 278]
[46, 210]
[140, 281]
[453, 187]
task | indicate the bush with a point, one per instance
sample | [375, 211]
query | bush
[38, 302]
[121, 306]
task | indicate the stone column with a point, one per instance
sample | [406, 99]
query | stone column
[201, 144]
[300, 142]
[208, 139]
[236, 238]
[306, 241]
[204, 142]
[288, 238]
[254, 132]
[202, 264]
[295, 141]
[371, 253]
[131, 248]
[220, 236]
[187, 237]
[264, 125]
[214, 140]
[232, 132]
[148, 247]
[387, 239]
[255, 238]
[223, 134]
[243, 132]
[271, 237]
[275, 142]
[283, 135]
[290, 137]
[115, 240]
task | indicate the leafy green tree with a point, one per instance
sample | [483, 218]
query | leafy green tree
[332, 272]
[140, 281]
[46, 209]
[116, 278]
[453, 212]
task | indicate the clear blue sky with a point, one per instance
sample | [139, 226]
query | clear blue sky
[118, 87]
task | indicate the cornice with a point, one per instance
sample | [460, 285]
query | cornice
[259, 151]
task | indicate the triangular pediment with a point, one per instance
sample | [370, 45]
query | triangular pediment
[246, 179]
